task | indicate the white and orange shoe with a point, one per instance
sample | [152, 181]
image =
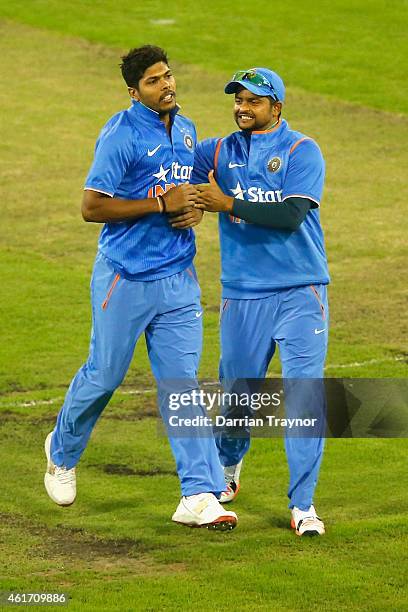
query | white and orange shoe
[231, 475]
[60, 483]
[306, 522]
[204, 510]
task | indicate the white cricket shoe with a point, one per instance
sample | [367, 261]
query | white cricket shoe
[231, 475]
[60, 483]
[306, 522]
[204, 510]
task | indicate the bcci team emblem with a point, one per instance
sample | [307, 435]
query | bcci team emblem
[274, 164]
[188, 141]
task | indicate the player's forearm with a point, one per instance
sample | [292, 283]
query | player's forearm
[287, 215]
[101, 208]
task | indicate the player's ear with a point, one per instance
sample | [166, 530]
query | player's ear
[133, 93]
[277, 109]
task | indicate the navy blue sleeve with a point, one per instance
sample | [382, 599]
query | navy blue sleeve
[287, 215]
[305, 176]
[203, 160]
[114, 152]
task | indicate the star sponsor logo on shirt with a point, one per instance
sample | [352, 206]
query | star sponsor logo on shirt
[238, 192]
[161, 175]
[179, 172]
[256, 194]
[169, 177]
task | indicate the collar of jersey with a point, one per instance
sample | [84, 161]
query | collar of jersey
[275, 130]
[140, 111]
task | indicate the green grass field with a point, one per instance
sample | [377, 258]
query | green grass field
[116, 548]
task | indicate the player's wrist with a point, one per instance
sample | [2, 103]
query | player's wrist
[161, 204]
[228, 204]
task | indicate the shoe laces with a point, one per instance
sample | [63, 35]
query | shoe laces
[64, 475]
[229, 473]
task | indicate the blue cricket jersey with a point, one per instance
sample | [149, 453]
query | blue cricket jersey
[136, 159]
[269, 166]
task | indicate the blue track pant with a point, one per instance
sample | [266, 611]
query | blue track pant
[297, 320]
[168, 312]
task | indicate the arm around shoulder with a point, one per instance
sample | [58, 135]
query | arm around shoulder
[204, 160]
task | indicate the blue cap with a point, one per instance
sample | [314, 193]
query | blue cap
[261, 81]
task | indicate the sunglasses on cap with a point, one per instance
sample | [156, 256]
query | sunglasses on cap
[254, 77]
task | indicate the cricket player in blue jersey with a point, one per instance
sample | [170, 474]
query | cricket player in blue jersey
[143, 282]
[266, 181]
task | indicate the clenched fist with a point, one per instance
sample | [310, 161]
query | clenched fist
[180, 197]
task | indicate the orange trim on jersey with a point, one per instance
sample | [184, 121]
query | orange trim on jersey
[223, 308]
[216, 154]
[297, 143]
[320, 302]
[268, 131]
[109, 294]
[191, 273]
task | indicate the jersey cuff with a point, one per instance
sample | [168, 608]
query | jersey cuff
[86, 188]
[306, 197]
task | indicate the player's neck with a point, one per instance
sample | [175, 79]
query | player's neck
[268, 128]
[273, 125]
[167, 122]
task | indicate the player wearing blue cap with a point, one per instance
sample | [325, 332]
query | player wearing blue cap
[143, 282]
[266, 181]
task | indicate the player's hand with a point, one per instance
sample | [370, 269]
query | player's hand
[180, 197]
[211, 198]
[189, 217]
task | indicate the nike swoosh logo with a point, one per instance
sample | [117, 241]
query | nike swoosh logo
[320, 331]
[232, 165]
[153, 151]
[198, 314]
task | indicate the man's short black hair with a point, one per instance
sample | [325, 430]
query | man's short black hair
[138, 60]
